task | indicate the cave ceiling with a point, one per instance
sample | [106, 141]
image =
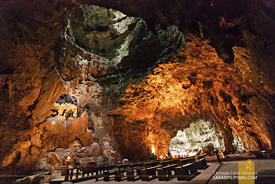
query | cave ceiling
[186, 60]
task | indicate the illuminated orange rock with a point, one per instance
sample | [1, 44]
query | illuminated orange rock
[176, 93]
[56, 158]
[51, 134]
[92, 150]
[239, 95]
[60, 134]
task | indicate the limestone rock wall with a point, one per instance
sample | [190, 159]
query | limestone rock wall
[29, 145]
[236, 89]
[30, 83]
[195, 84]
[191, 140]
[61, 134]
[57, 158]
[38, 55]
[99, 80]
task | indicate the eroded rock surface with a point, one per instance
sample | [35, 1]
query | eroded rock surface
[57, 157]
[200, 86]
[191, 140]
[39, 52]
[51, 134]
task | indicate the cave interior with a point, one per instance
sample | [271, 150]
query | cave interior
[109, 80]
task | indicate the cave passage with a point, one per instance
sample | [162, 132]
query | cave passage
[200, 134]
[191, 140]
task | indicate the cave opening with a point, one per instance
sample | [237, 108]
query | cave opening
[98, 56]
[200, 136]
[98, 83]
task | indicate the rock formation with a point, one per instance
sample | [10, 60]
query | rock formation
[195, 84]
[190, 141]
[55, 159]
[142, 96]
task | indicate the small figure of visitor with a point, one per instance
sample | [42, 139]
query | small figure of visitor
[106, 160]
[125, 160]
[154, 157]
[218, 157]
[149, 155]
[169, 155]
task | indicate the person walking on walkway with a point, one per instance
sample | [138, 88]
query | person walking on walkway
[218, 156]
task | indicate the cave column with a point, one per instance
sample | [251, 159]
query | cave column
[271, 129]
[227, 139]
[227, 136]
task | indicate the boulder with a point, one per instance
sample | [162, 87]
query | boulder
[53, 159]
[76, 144]
[92, 150]
[43, 165]
[209, 148]
[35, 150]
[26, 180]
[59, 150]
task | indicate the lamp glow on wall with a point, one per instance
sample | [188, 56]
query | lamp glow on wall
[153, 149]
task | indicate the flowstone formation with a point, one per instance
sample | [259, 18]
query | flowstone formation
[195, 84]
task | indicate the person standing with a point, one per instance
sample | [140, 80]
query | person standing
[218, 157]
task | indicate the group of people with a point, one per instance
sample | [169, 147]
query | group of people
[152, 156]
[155, 157]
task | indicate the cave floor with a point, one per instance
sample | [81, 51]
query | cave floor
[230, 157]
[264, 167]
[202, 177]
